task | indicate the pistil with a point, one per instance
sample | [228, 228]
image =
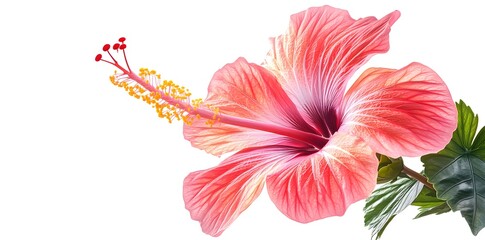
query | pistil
[175, 103]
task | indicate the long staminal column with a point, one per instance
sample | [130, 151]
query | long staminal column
[173, 101]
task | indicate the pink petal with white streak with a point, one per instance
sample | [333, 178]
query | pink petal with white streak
[405, 112]
[321, 50]
[215, 197]
[325, 183]
[248, 91]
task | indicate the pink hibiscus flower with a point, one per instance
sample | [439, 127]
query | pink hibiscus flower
[293, 125]
[316, 144]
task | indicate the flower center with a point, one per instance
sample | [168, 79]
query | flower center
[324, 119]
[329, 122]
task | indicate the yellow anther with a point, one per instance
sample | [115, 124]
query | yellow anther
[167, 88]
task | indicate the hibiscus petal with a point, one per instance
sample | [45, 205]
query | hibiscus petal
[323, 47]
[248, 91]
[406, 112]
[325, 183]
[215, 197]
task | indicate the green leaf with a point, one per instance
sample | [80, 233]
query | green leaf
[458, 171]
[427, 198]
[387, 201]
[442, 208]
[429, 204]
[467, 126]
[478, 149]
[389, 168]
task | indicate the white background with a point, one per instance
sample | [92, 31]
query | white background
[80, 159]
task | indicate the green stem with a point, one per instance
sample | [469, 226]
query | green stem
[417, 176]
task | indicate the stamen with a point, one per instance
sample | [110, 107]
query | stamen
[157, 99]
[173, 101]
